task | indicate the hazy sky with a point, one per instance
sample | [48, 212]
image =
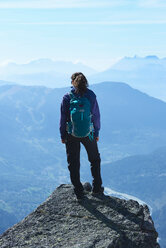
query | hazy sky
[94, 32]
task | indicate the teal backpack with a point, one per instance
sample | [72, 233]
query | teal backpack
[80, 117]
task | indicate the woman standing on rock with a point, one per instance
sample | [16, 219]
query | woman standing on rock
[80, 123]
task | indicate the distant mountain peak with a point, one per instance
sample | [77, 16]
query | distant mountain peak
[43, 71]
[134, 57]
[41, 60]
[138, 57]
[151, 57]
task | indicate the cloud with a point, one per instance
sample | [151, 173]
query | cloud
[109, 23]
[60, 3]
[6, 62]
[152, 3]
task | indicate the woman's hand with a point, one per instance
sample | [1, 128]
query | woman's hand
[63, 141]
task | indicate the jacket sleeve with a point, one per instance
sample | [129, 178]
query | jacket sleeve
[64, 112]
[96, 117]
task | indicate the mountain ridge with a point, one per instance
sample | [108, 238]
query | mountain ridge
[147, 74]
[43, 71]
[144, 73]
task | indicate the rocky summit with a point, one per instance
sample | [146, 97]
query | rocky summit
[93, 222]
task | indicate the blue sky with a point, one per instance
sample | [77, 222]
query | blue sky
[94, 32]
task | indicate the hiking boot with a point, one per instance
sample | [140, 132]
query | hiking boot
[98, 192]
[80, 195]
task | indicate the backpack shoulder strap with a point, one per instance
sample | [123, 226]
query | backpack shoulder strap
[72, 96]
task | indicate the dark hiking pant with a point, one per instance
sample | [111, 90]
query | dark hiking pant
[73, 158]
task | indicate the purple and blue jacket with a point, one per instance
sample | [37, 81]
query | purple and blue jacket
[65, 113]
